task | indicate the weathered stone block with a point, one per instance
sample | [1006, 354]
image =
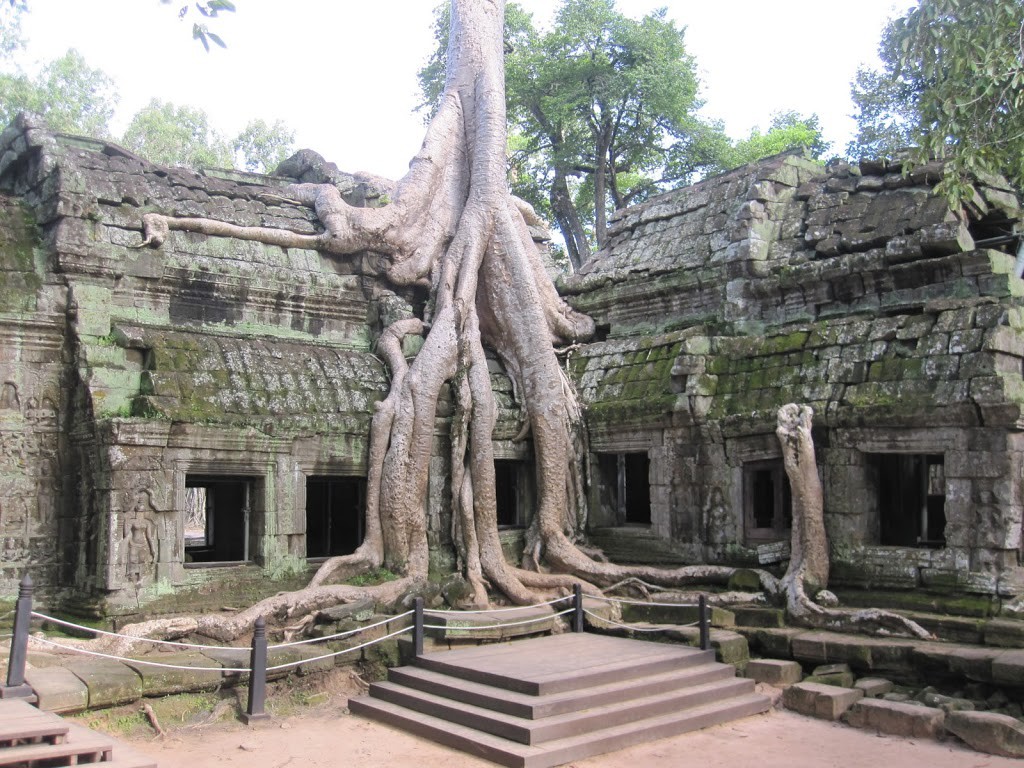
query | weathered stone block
[1008, 668]
[827, 702]
[1006, 633]
[58, 689]
[775, 672]
[109, 682]
[874, 687]
[988, 732]
[161, 680]
[840, 680]
[897, 718]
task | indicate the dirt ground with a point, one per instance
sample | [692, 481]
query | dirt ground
[311, 728]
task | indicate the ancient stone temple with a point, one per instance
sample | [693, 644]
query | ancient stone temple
[191, 423]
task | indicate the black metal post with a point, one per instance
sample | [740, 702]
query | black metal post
[577, 605]
[258, 675]
[705, 623]
[417, 627]
[16, 687]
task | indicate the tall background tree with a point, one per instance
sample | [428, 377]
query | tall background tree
[952, 86]
[602, 110]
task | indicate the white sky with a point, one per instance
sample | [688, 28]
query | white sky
[342, 73]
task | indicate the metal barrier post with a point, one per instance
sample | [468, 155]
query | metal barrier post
[16, 687]
[577, 605]
[258, 675]
[417, 627]
[705, 623]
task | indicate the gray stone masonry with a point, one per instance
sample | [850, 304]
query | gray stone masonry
[897, 719]
[827, 702]
[873, 687]
[774, 672]
[988, 732]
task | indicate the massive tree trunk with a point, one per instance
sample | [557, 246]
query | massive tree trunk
[807, 575]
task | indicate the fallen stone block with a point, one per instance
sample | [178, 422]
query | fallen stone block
[897, 718]
[774, 672]
[988, 732]
[874, 687]
[1008, 668]
[827, 702]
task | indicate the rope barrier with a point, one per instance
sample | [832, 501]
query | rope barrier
[141, 661]
[339, 635]
[437, 612]
[641, 602]
[338, 653]
[63, 623]
[637, 629]
[498, 626]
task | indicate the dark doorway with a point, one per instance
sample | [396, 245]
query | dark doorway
[767, 501]
[217, 519]
[911, 499]
[335, 511]
[509, 490]
[626, 486]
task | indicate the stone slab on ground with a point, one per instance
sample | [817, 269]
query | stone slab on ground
[203, 674]
[109, 682]
[827, 702]
[988, 732]
[897, 718]
[774, 672]
[59, 689]
[874, 687]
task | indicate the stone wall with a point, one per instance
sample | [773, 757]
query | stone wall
[853, 290]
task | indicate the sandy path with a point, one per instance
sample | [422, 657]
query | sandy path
[332, 739]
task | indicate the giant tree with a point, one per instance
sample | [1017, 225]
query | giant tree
[952, 84]
[600, 103]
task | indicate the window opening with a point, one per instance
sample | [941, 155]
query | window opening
[626, 486]
[911, 499]
[767, 501]
[335, 515]
[217, 519]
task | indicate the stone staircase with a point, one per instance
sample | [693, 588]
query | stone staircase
[550, 700]
[31, 737]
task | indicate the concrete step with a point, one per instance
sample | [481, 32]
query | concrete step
[559, 751]
[587, 719]
[535, 707]
[81, 746]
[596, 663]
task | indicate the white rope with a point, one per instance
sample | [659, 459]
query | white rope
[63, 623]
[436, 612]
[643, 602]
[338, 653]
[139, 661]
[471, 627]
[309, 640]
[661, 628]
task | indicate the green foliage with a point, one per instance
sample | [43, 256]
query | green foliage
[69, 95]
[169, 135]
[602, 112]
[788, 131]
[260, 148]
[952, 84]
